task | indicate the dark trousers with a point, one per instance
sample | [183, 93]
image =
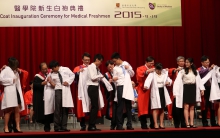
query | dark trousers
[93, 92]
[114, 110]
[48, 120]
[208, 105]
[120, 107]
[83, 122]
[143, 120]
[178, 115]
[60, 113]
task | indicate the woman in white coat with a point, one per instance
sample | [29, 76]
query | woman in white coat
[159, 95]
[13, 99]
[217, 72]
[187, 88]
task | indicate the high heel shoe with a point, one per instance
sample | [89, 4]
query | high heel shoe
[16, 131]
[161, 127]
[6, 132]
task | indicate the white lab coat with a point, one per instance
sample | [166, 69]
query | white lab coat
[49, 92]
[10, 94]
[128, 92]
[215, 91]
[83, 92]
[155, 96]
[178, 88]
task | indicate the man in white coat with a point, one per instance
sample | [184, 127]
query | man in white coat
[61, 78]
[122, 74]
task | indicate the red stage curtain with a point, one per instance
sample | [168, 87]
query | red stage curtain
[199, 34]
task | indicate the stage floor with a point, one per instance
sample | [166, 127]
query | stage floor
[37, 131]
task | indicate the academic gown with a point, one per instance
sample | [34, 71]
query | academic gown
[38, 97]
[143, 94]
[170, 90]
[79, 108]
[151, 83]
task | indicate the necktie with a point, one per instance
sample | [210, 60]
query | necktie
[123, 69]
[60, 77]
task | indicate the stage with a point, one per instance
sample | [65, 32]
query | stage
[36, 131]
[200, 132]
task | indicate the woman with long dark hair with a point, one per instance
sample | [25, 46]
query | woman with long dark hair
[188, 90]
[13, 99]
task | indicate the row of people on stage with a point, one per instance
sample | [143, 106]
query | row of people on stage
[178, 89]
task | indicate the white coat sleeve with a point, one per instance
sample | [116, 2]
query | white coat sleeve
[177, 83]
[71, 76]
[148, 81]
[5, 81]
[169, 80]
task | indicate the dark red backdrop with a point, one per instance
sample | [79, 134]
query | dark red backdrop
[199, 34]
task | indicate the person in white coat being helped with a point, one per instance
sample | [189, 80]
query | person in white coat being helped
[188, 89]
[61, 79]
[157, 81]
[13, 98]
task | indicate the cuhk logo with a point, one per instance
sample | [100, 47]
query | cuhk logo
[118, 5]
[152, 6]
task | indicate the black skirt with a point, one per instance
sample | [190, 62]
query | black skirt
[162, 98]
[18, 97]
[189, 93]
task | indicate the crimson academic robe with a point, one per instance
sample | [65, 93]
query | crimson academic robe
[143, 95]
[79, 108]
[170, 89]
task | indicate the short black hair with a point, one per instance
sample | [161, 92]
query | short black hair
[115, 56]
[31, 82]
[149, 59]
[13, 62]
[159, 66]
[41, 64]
[53, 64]
[98, 56]
[86, 55]
[109, 62]
[204, 58]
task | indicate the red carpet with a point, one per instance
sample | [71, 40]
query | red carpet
[200, 132]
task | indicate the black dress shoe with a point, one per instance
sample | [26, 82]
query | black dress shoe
[83, 129]
[120, 128]
[93, 129]
[144, 127]
[65, 130]
[130, 128]
[112, 128]
[46, 130]
[205, 125]
[214, 125]
[59, 130]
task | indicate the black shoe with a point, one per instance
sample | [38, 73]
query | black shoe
[152, 127]
[120, 128]
[161, 127]
[6, 132]
[46, 130]
[59, 130]
[193, 126]
[215, 125]
[16, 131]
[130, 128]
[83, 128]
[144, 127]
[183, 126]
[65, 130]
[93, 129]
[112, 128]
[205, 125]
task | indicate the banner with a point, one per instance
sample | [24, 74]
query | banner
[90, 13]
